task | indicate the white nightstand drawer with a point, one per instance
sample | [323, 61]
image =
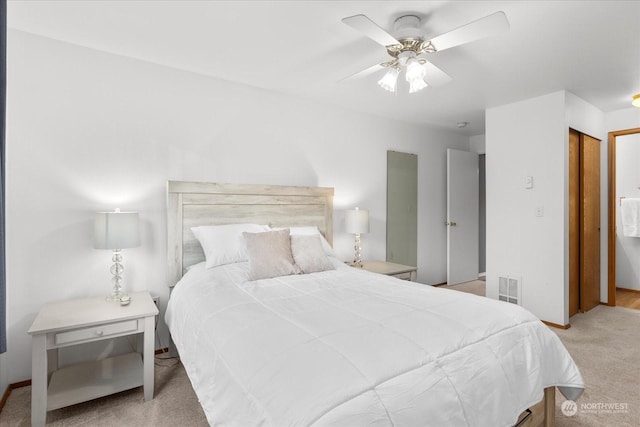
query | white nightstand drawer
[94, 332]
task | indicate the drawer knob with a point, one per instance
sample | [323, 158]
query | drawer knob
[100, 333]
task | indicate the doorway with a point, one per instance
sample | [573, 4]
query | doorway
[611, 276]
[584, 222]
[402, 208]
[462, 216]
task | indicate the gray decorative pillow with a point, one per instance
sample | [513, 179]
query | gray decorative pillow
[269, 254]
[308, 253]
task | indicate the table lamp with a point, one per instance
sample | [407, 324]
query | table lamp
[116, 230]
[356, 222]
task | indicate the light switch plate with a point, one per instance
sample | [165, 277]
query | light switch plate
[528, 182]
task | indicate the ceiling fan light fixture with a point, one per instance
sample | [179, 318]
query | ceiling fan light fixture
[390, 79]
[636, 100]
[417, 85]
[409, 43]
[415, 75]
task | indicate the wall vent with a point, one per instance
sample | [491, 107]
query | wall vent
[509, 289]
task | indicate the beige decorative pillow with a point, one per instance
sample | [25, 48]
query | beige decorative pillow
[269, 254]
[309, 254]
[307, 231]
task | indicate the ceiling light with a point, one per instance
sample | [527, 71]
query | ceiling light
[414, 70]
[417, 85]
[415, 75]
[636, 100]
[390, 79]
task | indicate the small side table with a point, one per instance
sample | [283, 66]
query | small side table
[78, 321]
[404, 272]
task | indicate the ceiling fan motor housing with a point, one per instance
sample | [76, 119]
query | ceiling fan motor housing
[407, 27]
[408, 33]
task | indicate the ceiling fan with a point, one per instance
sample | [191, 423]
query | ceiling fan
[408, 48]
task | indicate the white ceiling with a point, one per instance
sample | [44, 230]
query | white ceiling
[301, 48]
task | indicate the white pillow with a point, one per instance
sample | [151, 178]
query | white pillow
[307, 231]
[224, 244]
[308, 253]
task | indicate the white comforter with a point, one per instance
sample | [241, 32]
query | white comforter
[352, 348]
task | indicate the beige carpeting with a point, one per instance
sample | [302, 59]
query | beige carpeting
[477, 287]
[174, 404]
[603, 342]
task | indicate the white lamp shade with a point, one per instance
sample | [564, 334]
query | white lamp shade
[357, 221]
[116, 230]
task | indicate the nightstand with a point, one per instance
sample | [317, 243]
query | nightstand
[78, 321]
[400, 271]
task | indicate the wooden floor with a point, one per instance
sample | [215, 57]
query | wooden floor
[627, 298]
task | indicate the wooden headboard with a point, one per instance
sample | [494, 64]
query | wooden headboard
[191, 204]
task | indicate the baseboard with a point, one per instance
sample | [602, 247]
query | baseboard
[629, 290]
[439, 284]
[26, 383]
[555, 325]
[10, 388]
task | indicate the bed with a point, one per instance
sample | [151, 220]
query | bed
[343, 346]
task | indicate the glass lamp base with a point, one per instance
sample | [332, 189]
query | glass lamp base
[116, 269]
[116, 296]
[357, 262]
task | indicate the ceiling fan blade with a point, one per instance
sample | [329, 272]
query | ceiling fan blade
[364, 72]
[434, 76]
[370, 29]
[491, 25]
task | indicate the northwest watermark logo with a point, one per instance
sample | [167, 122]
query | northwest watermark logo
[604, 408]
[569, 408]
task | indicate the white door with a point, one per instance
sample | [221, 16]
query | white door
[462, 216]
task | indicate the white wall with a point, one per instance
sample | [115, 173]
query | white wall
[478, 143]
[627, 118]
[527, 138]
[530, 138]
[88, 131]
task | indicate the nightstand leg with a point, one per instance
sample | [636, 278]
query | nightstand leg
[148, 356]
[39, 374]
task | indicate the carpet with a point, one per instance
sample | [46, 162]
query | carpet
[604, 344]
[476, 287]
[174, 404]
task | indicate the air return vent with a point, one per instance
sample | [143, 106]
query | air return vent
[509, 289]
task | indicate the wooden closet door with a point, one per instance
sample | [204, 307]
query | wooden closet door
[590, 222]
[574, 222]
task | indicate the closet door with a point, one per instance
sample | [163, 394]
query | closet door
[584, 222]
[590, 222]
[574, 222]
